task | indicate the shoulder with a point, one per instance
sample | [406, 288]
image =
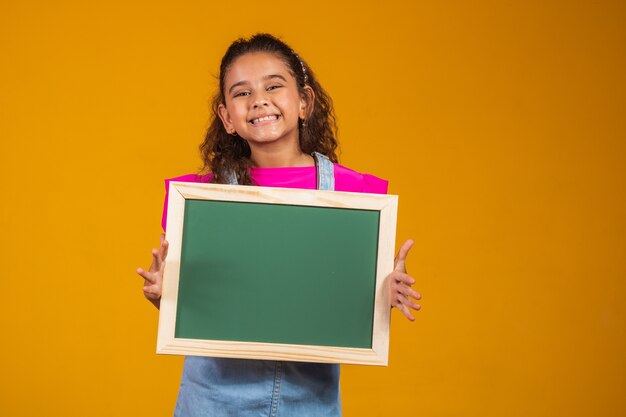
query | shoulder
[347, 179]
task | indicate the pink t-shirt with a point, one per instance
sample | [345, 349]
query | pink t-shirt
[296, 177]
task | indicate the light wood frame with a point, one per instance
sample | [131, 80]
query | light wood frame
[387, 205]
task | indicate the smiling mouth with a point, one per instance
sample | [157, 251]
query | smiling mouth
[264, 119]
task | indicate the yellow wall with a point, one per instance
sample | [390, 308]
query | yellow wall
[501, 125]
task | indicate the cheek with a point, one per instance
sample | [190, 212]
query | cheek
[291, 104]
[237, 111]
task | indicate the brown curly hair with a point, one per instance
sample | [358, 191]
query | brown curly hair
[223, 153]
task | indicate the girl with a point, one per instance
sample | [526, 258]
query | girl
[273, 125]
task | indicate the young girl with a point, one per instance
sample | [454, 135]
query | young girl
[273, 126]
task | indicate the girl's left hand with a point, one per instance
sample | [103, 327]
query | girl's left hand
[400, 284]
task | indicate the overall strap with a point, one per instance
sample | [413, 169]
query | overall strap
[231, 178]
[325, 172]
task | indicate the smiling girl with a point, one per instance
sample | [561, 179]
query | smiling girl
[273, 125]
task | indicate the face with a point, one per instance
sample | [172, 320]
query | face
[263, 103]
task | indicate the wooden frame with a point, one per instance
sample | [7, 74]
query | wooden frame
[179, 192]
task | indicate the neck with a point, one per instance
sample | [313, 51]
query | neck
[269, 156]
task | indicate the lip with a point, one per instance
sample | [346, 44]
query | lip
[264, 122]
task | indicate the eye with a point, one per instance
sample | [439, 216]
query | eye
[273, 87]
[241, 94]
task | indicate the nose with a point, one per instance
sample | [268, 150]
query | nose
[259, 99]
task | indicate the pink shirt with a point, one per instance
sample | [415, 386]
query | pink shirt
[296, 177]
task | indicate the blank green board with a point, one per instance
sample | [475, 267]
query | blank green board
[274, 273]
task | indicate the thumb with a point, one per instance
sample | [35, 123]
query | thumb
[400, 260]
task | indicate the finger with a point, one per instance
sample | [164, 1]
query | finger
[156, 261]
[151, 294]
[403, 284]
[405, 310]
[409, 292]
[409, 303]
[153, 290]
[146, 275]
[164, 247]
[402, 254]
[403, 278]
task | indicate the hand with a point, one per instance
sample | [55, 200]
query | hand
[400, 284]
[153, 278]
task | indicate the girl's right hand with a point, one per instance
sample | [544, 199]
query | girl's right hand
[153, 278]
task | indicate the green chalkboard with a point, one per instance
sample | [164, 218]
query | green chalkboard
[277, 273]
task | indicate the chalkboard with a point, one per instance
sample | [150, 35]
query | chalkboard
[275, 273]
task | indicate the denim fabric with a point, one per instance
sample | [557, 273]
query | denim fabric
[220, 387]
[325, 172]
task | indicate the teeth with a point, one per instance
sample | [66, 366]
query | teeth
[265, 118]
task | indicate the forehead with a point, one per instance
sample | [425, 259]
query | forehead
[255, 65]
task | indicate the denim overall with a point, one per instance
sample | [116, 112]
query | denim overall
[216, 387]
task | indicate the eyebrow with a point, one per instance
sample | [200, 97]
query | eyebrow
[267, 77]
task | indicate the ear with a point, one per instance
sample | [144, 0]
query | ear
[222, 112]
[307, 101]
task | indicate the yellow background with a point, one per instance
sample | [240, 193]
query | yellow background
[501, 125]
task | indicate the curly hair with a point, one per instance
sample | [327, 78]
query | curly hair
[223, 153]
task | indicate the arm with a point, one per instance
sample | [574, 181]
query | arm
[400, 283]
[153, 278]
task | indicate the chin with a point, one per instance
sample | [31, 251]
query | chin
[264, 141]
[269, 138]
